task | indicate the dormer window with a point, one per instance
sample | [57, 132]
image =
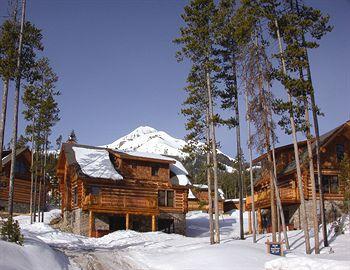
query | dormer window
[340, 149]
[155, 171]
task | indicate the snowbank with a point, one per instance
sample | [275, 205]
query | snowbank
[96, 163]
[305, 263]
[35, 254]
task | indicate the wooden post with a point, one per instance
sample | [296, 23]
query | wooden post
[91, 223]
[259, 221]
[250, 222]
[153, 223]
[127, 221]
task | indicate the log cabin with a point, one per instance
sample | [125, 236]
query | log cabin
[104, 190]
[198, 198]
[333, 146]
[21, 199]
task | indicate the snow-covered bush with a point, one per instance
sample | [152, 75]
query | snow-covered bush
[11, 232]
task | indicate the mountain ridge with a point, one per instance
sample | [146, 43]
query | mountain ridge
[150, 140]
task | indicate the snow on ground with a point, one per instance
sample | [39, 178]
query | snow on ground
[48, 248]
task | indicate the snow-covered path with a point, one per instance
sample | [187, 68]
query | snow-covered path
[47, 248]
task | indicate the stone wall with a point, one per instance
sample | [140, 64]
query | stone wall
[76, 221]
[332, 208]
[22, 208]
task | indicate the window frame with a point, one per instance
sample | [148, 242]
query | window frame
[155, 170]
[165, 199]
[340, 151]
[75, 196]
[328, 183]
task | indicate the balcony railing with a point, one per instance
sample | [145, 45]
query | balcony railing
[287, 194]
[118, 202]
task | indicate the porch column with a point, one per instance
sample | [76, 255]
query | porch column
[127, 221]
[250, 231]
[91, 223]
[259, 221]
[153, 223]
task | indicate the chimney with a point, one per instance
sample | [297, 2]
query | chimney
[72, 138]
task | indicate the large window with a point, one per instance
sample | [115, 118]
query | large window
[340, 149]
[20, 167]
[330, 183]
[166, 198]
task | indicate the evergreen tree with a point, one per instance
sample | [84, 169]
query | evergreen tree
[344, 178]
[42, 113]
[197, 42]
[9, 37]
[11, 232]
[227, 55]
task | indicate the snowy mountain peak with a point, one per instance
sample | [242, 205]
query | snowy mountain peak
[141, 130]
[150, 140]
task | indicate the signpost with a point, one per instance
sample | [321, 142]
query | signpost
[274, 248]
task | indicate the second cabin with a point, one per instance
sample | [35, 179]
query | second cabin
[334, 145]
[103, 190]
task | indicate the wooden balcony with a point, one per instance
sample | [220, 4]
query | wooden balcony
[119, 203]
[289, 195]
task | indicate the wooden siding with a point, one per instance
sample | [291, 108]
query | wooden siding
[137, 193]
[288, 182]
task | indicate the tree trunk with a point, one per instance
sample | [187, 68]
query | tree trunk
[251, 169]
[210, 199]
[32, 178]
[3, 118]
[317, 142]
[239, 156]
[312, 178]
[318, 158]
[215, 163]
[35, 182]
[296, 153]
[15, 114]
[44, 179]
[278, 199]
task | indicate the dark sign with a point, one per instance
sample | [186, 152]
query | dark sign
[275, 249]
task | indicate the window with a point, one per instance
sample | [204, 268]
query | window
[166, 198]
[20, 167]
[330, 183]
[340, 149]
[155, 170]
[161, 198]
[94, 190]
[75, 195]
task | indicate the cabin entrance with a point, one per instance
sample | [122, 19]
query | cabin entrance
[117, 222]
[166, 225]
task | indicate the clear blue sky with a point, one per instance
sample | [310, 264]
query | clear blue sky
[117, 70]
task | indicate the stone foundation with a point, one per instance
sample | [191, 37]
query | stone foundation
[332, 208]
[22, 208]
[77, 221]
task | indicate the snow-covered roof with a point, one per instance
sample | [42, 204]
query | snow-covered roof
[181, 174]
[148, 155]
[191, 195]
[234, 200]
[203, 186]
[96, 163]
